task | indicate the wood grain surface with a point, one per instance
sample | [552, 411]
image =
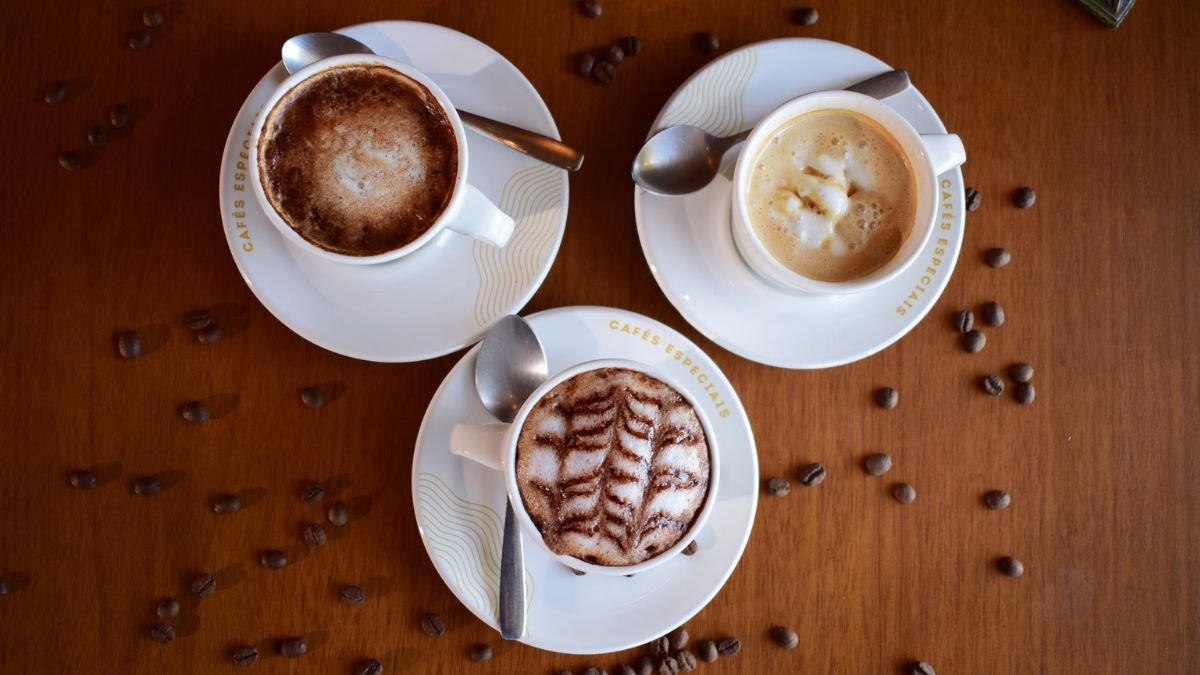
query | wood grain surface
[1103, 297]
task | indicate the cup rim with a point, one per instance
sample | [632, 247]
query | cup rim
[294, 79]
[895, 266]
[514, 492]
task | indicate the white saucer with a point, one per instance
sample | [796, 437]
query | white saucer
[446, 295]
[460, 504]
[689, 245]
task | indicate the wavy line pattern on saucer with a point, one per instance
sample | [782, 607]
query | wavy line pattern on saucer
[713, 100]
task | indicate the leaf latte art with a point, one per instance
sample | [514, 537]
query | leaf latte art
[613, 466]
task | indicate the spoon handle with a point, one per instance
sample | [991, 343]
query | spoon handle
[533, 144]
[512, 579]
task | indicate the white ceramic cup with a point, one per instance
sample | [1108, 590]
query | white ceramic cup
[495, 446]
[928, 156]
[468, 211]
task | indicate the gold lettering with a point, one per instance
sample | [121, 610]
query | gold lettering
[946, 183]
[654, 341]
[926, 280]
[725, 413]
[238, 187]
[943, 242]
[239, 214]
[612, 325]
[686, 362]
[245, 235]
[625, 328]
[900, 311]
[239, 204]
[702, 379]
[694, 370]
[247, 247]
[714, 396]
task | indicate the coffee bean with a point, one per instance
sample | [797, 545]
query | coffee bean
[591, 8]
[778, 486]
[645, 665]
[992, 384]
[604, 72]
[904, 493]
[353, 595]
[1024, 393]
[82, 479]
[293, 647]
[312, 493]
[480, 653]
[97, 135]
[974, 341]
[997, 500]
[226, 504]
[203, 585]
[370, 667]
[1024, 197]
[146, 486]
[690, 549]
[992, 313]
[687, 661]
[433, 625]
[613, 54]
[1010, 566]
[920, 668]
[785, 637]
[805, 16]
[273, 559]
[162, 632]
[138, 39]
[167, 608]
[997, 257]
[197, 319]
[811, 475]
[312, 397]
[707, 42]
[210, 334]
[708, 651]
[668, 665]
[729, 646]
[661, 647]
[56, 92]
[678, 638]
[245, 656]
[71, 161]
[118, 116]
[964, 321]
[584, 63]
[1020, 372]
[194, 412]
[973, 199]
[129, 344]
[877, 464]
[339, 514]
[314, 534]
[152, 17]
[630, 45]
[624, 669]
[887, 398]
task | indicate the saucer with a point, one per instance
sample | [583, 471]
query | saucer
[460, 504]
[447, 294]
[689, 245]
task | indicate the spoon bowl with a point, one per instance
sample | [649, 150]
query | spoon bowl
[680, 159]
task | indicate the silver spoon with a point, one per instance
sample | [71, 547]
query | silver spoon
[682, 159]
[302, 50]
[510, 365]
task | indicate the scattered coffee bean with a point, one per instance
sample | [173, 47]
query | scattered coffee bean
[1010, 566]
[3, 587]
[194, 412]
[273, 559]
[312, 397]
[198, 319]
[353, 595]
[974, 341]
[1024, 393]
[604, 72]
[129, 344]
[887, 398]
[167, 609]
[370, 667]
[690, 549]
[433, 625]
[97, 135]
[312, 493]
[973, 199]
[210, 334]
[997, 500]
[138, 39]
[687, 661]
[625, 669]
[778, 486]
[480, 653]
[661, 647]
[82, 479]
[729, 646]
[226, 504]
[613, 54]
[1024, 197]
[904, 493]
[584, 63]
[678, 638]
[708, 651]
[920, 668]
[997, 257]
[293, 647]
[203, 585]
[645, 665]
[992, 313]
[1020, 372]
[630, 45]
[245, 656]
[877, 464]
[146, 486]
[668, 665]
[785, 637]
[56, 92]
[805, 16]
[339, 514]
[578, 573]
[118, 116]
[811, 475]
[707, 42]
[591, 8]
[71, 161]
[964, 321]
[162, 632]
[152, 17]
[992, 384]
[314, 534]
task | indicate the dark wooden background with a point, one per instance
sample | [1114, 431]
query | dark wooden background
[1103, 297]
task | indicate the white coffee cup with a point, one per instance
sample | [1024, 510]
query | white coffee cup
[495, 446]
[928, 155]
[468, 211]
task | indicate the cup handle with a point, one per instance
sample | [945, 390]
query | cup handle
[945, 151]
[480, 218]
[480, 443]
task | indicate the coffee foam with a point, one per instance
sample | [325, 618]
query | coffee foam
[612, 466]
[831, 195]
[358, 159]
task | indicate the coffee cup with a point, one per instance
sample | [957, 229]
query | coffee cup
[926, 156]
[393, 177]
[498, 446]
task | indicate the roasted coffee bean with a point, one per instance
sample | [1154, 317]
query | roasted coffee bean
[152, 17]
[129, 344]
[591, 8]
[138, 39]
[997, 500]
[1010, 566]
[613, 54]
[370, 667]
[604, 72]
[668, 665]
[314, 534]
[312, 397]
[992, 313]
[312, 493]
[904, 493]
[82, 479]
[964, 321]
[992, 384]
[584, 63]
[162, 632]
[71, 161]
[210, 334]
[708, 651]
[645, 665]
[146, 486]
[805, 16]
[203, 585]
[97, 135]
[118, 116]
[690, 549]
[687, 661]
[167, 609]
[433, 625]
[997, 257]
[480, 653]
[973, 199]
[1024, 393]
[194, 412]
[1024, 197]
[339, 514]
[245, 656]
[707, 42]
[198, 319]
[353, 595]
[785, 637]
[678, 638]
[974, 341]
[226, 504]
[887, 398]
[778, 486]
[625, 669]
[920, 668]
[56, 92]
[811, 475]
[293, 647]
[661, 647]
[1020, 372]
[630, 45]
[729, 646]
[273, 559]
[877, 464]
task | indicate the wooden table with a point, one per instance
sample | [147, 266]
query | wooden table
[1103, 297]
